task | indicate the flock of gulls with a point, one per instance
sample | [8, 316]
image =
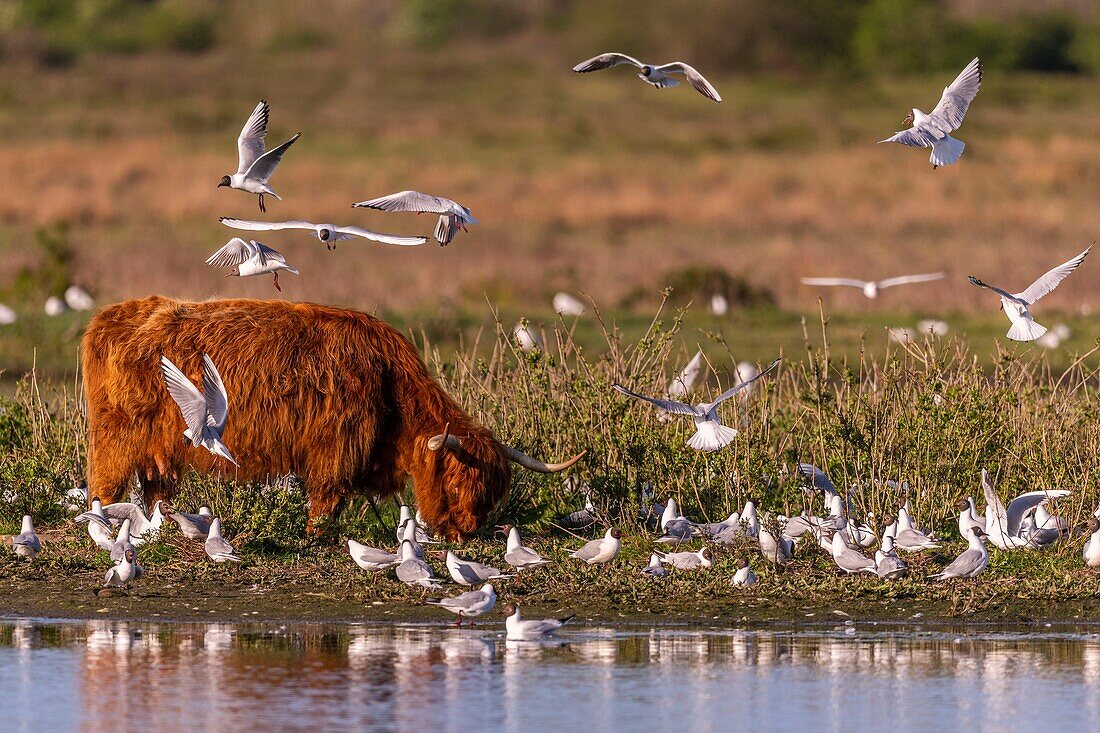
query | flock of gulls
[1027, 523]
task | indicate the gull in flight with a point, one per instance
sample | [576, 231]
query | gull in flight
[193, 526]
[517, 555]
[600, 551]
[973, 560]
[468, 572]
[452, 216]
[412, 570]
[933, 130]
[744, 574]
[658, 76]
[204, 412]
[871, 288]
[533, 629]
[217, 549]
[1024, 327]
[371, 558]
[26, 543]
[1003, 526]
[330, 234]
[710, 433]
[255, 166]
[470, 604]
[250, 258]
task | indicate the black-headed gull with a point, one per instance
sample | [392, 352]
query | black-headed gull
[658, 76]
[468, 572]
[371, 558]
[973, 560]
[193, 526]
[601, 551]
[142, 528]
[519, 629]
[330, 234]
[516, 554]
[744, 574]
[776, 551]
[710, 433]
[655, 569]
[250, 258]
[77, 298]
[933, 129]
[470, 604]
[848, 559]
[122, 542]
[1091, 552]
[676, 527]
[7, 315]
[99, 528]
[125, 572]
[26, 543]
[1015, 306]
[686, 560]
[452, 216]
[888, 565]
[567, 305]
[684, 382]
[204, 412]
[906, 537]
[412, 570]
[217, 549]
[1003, 526]
[871, 288]
[255, 166]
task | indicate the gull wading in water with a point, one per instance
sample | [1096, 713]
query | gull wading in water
[452, 216]
[933, 129]
[250, 258]
[330, 234]
[533, 629]
[710, 433]
[204, 412]
[255, 166]
[470, 604]
[658, 76]
[871, 288]
[1015, 306]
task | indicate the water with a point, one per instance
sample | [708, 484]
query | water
[68, 676]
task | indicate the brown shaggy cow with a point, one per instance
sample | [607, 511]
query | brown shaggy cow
[334, 396]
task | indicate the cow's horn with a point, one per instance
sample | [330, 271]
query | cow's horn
[445, 438]
[535, 464]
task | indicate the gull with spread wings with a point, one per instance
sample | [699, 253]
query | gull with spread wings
[871, 288]
[658, 76]
[710, 433]
[330, 234]
[452, 215]
[255, 166]
[1015, 306]
[250, 258]
[934, 129]
[204, 412]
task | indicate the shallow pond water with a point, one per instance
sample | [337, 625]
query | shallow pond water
[117, 675]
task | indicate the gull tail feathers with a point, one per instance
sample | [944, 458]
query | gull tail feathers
[1026, 329]
[663, 83]
[712, 436]
[946, 151]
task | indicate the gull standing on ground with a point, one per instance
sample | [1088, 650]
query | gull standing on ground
[888, 565]
[193, 526]
[871, 288]
[330, 234]
[710, 433]
[848, 559]
[744, 574]
[26, 543]
[601, 551]
[517, 555]
[676, 527]
[217, 549]
[777, 551]
[533, 629]
[933, 130]
[906, 537]
[470, 604]
[1003, 525]
[973, 560]
[715, 529]
[204, 412]
[1091, 552]
[452, 216]
[125, 571]
[658, 76]
[751, 518]
[99, 528]
[412, 570]
[468, 572]
[371, 558]
[250, 258]
[1015, 306]
[655, 569]
[255, 166]
[686, 560]
[968, 516]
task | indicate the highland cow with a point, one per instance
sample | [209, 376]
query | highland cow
[336, 397]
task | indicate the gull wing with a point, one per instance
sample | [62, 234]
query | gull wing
[1003, 293]
[677, 408]
[907, 279]
[267, 253]
[819, 478]
[265, 226]
[233, 253]
[949, 112]
[378, 237]
[216, 398]
[697, 80]
[963, 565]
[1024, 503]
[830, 281]
[191, 402]
[1052, 278]
[408, 201]
[445, 230]
[606, 61]
[589, 550]
[262, 168]
[737, 388]
[250, 143]
[123, 510]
